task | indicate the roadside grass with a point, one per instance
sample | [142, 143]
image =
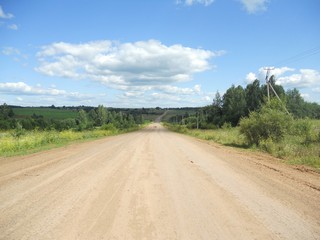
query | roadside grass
[28, 142]
[296, 149]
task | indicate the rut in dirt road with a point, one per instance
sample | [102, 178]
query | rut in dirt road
[155, 184]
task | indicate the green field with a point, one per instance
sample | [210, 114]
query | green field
[47, 113]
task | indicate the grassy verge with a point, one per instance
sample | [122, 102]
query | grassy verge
[294, 149]
[35, 141]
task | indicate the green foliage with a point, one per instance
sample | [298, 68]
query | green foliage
[269, 123]
[19, 131]
[292, 148]
[176, 127]
[254, 96]
[237, 103]
[234, 105]
[21, 141]
[6, 117]
[83, 122]
[101, 115]
[226, 125]
[46, 113]
[5, 112]
[295, 103]
[303, 128]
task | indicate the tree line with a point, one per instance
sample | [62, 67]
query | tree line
[88, 118]
[238, 102]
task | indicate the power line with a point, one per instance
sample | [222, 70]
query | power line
[300, 56]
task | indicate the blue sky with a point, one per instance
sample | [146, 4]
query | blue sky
[148, 53]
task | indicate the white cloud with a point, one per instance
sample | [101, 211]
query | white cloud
[180, 91]
[164, 96]
[197, 88]
[261, 73]
[305, 78]
[317, 89]
[21, 88]
[5, 15]
[124, 65]
[13, 27]
[306, 96]
[289, 77]
[251, 77]
[253, 6]
[133, 94]
[207, 99]
[191, 2]
[146, 71]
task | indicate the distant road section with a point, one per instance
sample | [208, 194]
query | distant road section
[159, 119]
[155, 184]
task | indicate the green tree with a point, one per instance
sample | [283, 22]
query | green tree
[101, 115]
[234, 105]
[82, 120]
[6, 117]
[295, 103]
[253, 96]
[6, 112]
[93, 115]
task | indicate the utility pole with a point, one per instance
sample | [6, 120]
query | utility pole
[269, 85]
[268, 69]
[197, 120]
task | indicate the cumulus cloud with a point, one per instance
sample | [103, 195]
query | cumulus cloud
[254, 6]
[251, 77]
[124, 65]
[305, 78]
[150, 93]
[5, 15]
[24, 89]
[261, 73]
[180, 91]
[21, 88]
[191, 2]
[289, 77]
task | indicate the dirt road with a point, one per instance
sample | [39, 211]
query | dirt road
[154, 184]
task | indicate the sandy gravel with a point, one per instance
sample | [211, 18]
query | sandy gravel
[154, 184]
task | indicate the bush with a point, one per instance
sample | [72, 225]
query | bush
[109, 127]
[303, 128]
[268, 145]
[269, 123]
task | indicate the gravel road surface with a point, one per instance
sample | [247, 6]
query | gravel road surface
[155, 184]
